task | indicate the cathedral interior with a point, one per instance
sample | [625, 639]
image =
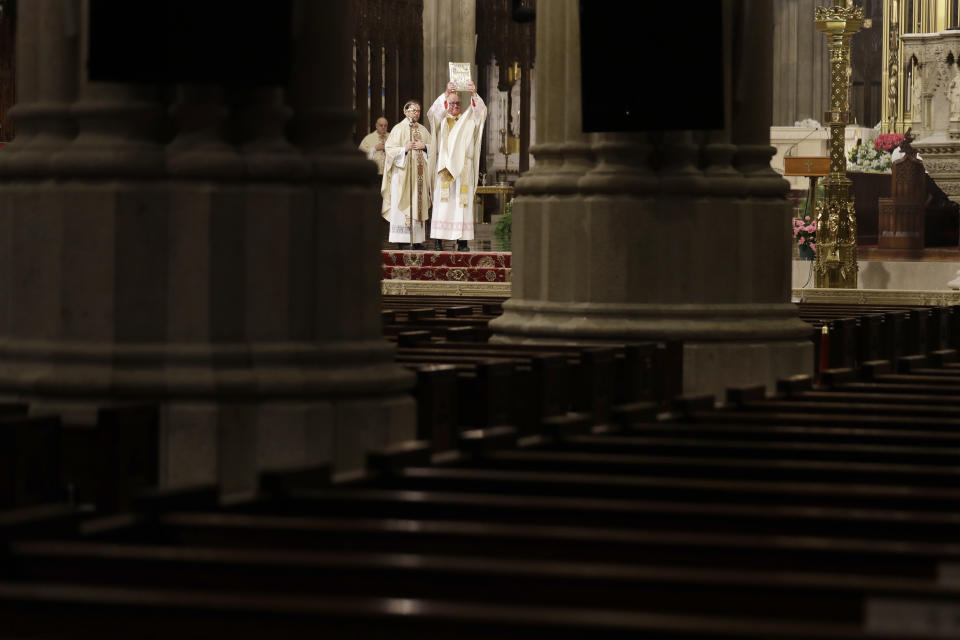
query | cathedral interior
[228, 408]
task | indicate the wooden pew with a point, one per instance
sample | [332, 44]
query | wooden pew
[585, 543]
[109, 462]
[714, 466]
[29, 458]
[638, 367]
[843, 598]
[738, 593]
[92, 612]
[846, 519]
[715, 512]
[527, 385]
[924, 329]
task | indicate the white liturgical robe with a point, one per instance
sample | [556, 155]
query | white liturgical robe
[456, 168]
[407, 181]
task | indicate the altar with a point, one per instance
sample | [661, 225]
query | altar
[503, 193]
[809, 141]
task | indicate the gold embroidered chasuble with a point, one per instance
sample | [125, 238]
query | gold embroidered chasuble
[416, 174]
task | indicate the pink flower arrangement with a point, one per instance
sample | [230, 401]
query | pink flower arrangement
[805, 232]
[887, 141]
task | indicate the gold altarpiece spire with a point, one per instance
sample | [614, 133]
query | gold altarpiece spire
[900, 17]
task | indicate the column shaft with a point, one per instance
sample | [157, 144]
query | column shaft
[449, 35]
[201, 274]
[666, 235]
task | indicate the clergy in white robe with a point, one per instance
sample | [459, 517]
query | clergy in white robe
[458, 134]
[407, 178]
[373, 143]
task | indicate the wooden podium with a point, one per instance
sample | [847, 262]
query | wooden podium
[812, 167]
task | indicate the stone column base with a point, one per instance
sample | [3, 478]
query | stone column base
[725, 345]
[714, 367]
[227, 411]
[229, 443]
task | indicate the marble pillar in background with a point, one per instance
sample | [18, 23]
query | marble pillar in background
[449, 35]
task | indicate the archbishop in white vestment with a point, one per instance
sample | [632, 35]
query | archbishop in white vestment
[459, 133]
[407, 178]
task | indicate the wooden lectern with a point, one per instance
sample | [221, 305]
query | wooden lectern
[901, 220]
[812, 167]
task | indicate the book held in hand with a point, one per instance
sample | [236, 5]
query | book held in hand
[460, 74]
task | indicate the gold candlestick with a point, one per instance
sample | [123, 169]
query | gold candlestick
[505, 150]
[835, 265]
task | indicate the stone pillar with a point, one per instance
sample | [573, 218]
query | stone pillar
[801, 67]
[48, 59]
[449, 35]
[609, 249]
[200, 274]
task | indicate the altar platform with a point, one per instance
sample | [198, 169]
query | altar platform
[910, 298]
[912, 277]
[918, 277]
[454, 273]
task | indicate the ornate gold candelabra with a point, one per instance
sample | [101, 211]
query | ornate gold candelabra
[835, 265]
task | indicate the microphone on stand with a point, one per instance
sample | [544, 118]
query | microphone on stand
[797, 143]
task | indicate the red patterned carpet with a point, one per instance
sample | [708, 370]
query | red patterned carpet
[466, 266]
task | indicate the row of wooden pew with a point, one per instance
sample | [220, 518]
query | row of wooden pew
[818, 512]
[458, 319]
[847, 335]
[553, 492]
[463, 384]
[844, 335]
[43, 460]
